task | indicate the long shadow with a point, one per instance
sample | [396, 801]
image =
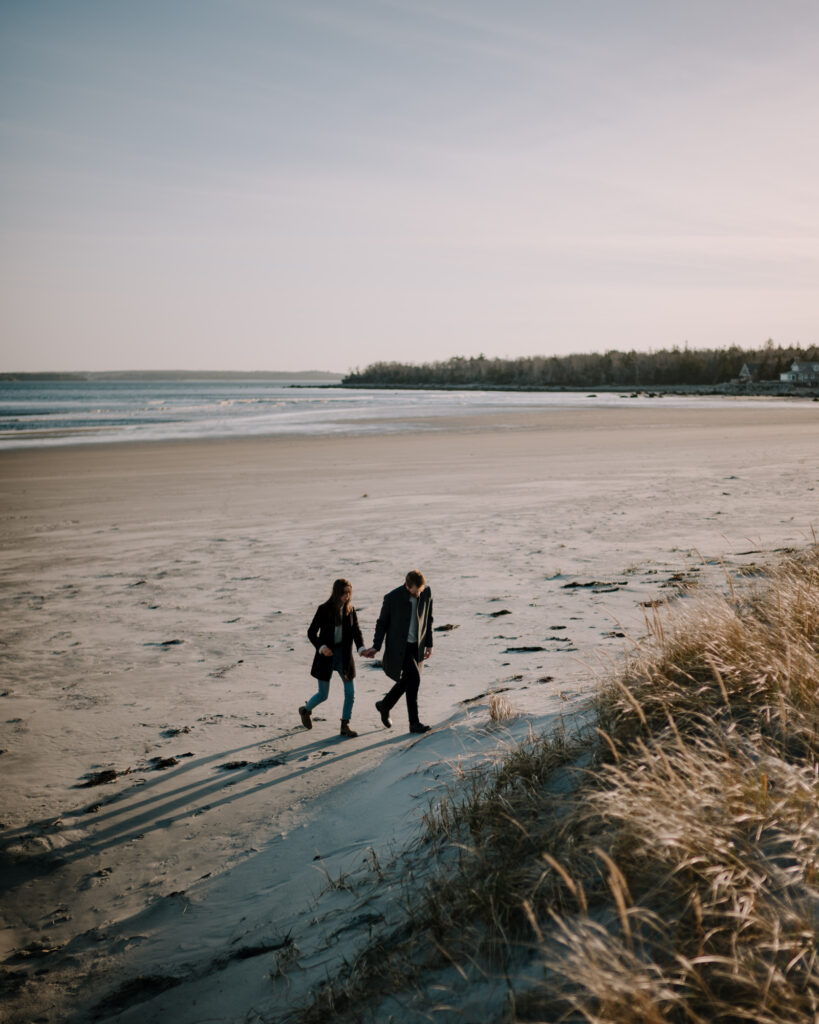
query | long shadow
[115, 801]
[161, 814]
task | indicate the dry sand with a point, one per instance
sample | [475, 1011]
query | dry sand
[155, 601]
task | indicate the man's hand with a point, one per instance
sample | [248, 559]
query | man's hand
[369, 653]
[427, 653]
[325, 650]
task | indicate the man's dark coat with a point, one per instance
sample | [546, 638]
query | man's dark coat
[393, 623]
[322, 634]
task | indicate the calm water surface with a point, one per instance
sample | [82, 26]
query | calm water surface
[37, 413]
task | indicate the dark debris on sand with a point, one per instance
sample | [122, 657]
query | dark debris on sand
[99, 778]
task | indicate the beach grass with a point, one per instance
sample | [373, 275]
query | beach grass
[657, 863]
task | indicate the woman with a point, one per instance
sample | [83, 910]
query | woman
[332, 632]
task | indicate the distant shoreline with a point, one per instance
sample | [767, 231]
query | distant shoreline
[171, 375]
[760, 389]
[326, 379]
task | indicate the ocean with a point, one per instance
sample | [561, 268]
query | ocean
[38, 413]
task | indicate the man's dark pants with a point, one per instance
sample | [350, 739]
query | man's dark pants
[408, 683]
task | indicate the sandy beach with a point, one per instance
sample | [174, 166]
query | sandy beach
[155, 602]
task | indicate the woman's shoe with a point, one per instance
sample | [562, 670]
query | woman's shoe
[420, 727]
[306, 720]
[345, 728]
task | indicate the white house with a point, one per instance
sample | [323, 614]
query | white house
[801, 373]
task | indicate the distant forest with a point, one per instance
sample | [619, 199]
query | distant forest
[666, 367]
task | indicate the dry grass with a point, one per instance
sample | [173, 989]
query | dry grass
[662, 866]
[500, 709]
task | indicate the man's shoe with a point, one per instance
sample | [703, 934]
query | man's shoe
[420, 727]
[385, 715]
[346, 730]
[306, 720]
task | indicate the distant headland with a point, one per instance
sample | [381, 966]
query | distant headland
[770, 370]
[176, 375]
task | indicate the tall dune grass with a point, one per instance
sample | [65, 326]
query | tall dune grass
[663, 865]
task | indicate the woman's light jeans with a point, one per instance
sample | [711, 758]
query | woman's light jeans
[324, 688]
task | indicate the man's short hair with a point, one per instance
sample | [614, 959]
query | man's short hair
[415, 578]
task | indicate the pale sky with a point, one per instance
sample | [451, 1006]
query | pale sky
[318, 184]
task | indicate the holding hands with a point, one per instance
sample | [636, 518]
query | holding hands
[371, 652]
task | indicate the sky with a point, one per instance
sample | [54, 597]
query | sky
[321, 184]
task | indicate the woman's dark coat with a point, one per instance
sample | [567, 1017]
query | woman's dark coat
[322, 634]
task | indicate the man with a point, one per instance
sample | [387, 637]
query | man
[406, 623]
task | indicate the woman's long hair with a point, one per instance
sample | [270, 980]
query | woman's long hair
[342, 598]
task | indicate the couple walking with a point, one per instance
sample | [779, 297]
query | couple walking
[405, 623]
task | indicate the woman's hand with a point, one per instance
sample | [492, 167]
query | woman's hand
[325, 650]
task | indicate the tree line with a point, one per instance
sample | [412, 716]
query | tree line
[666, 367]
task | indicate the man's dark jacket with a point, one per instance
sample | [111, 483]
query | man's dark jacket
[322, 634]
[393, 623]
